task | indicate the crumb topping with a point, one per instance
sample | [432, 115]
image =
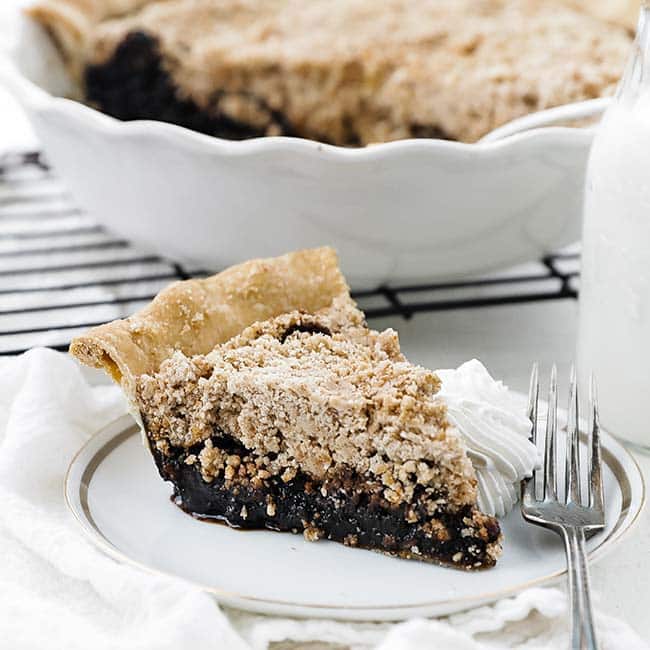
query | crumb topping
[455, 67]
[312, 393]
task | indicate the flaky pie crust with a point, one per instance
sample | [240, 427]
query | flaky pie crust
[193, 316]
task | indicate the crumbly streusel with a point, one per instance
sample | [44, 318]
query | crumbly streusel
[315, 393]
[362, 71]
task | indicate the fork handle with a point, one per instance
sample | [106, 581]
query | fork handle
[583, 634]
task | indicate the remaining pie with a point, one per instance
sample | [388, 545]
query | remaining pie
[349, 72]
[268, 403]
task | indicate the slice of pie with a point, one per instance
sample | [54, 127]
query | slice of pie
[268, 403]
[348, 72]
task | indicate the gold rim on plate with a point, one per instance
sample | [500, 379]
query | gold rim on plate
[95, 535]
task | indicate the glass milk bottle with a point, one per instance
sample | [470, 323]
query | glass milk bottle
[614, 321]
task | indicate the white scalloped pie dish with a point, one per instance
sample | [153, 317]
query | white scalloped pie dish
[405, 211]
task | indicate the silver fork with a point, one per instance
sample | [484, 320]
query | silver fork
[565, 511]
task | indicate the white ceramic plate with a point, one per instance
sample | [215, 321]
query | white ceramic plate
[401, 212]
[114, 490]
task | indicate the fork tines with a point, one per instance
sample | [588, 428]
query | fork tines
[548, 479]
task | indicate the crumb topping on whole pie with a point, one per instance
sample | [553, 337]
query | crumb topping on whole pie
[349, 72]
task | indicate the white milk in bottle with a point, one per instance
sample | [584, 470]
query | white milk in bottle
[614, 322]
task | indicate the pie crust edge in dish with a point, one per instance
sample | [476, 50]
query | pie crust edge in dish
[217, 477]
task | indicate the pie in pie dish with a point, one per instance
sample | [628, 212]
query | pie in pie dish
[347, 72]
[267, 402]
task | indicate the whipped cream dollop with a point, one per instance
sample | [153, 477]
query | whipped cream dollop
[496, 430]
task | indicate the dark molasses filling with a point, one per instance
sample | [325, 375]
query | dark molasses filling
[347, 510]
[134, 85]
[308, 328]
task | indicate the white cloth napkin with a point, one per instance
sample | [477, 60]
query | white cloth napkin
[58, 592]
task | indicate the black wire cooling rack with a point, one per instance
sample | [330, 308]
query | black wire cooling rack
[61, 273]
